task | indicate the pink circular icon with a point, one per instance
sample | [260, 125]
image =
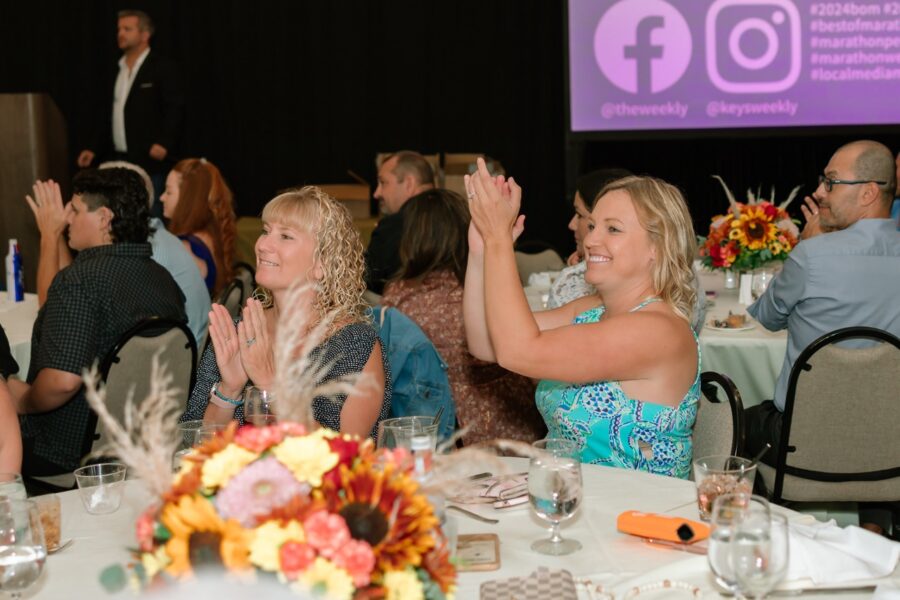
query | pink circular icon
[642, 46]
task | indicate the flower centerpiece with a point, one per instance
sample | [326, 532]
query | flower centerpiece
[326, 514]
[749, 234]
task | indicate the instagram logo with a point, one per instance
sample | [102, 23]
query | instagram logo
[753, 46]
[642, 46]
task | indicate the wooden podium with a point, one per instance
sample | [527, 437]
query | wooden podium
[32, 146]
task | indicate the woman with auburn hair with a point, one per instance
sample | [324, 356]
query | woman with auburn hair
[490, 401]
[621, 375]
[200, 210]
[307, 238]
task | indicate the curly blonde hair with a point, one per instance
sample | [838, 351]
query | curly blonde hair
[339, 251]
[663, 213]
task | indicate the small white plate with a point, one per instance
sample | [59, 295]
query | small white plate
[712, 325]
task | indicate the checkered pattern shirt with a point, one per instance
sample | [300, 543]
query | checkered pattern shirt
[106, 291]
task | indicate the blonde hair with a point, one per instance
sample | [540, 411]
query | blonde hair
[663, 213]
[338, 250]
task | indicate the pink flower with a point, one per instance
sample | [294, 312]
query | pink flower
[292, 428]
[258, 439]
[257, 490]
[326, 532]
[295, 557]
[145, 527]
[357, 558]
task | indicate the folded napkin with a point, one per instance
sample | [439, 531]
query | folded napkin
[827, 554]
[492, 489]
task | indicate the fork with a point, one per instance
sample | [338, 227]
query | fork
[60, 547]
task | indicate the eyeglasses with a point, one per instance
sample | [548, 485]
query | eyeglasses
[830, 183]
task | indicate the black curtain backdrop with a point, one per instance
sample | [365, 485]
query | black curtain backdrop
[282, 93]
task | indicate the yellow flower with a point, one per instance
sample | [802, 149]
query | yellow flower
[264, 551]
[324, 579]
[403, 585]
[307, 457]
[776, 248]
[754, 229]
[192, 515]
[155, 561]
[225, 464]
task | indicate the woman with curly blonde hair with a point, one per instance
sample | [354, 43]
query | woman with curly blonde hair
[199, 207]
[620, 370]
[307, 238]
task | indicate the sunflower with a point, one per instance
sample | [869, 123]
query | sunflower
[383, 508]
[754, 229]
[200, 535]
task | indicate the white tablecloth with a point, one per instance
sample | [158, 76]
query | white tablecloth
[17, 319]
[752, 358]
[616, 560]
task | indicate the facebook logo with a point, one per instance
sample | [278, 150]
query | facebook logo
[642, 46]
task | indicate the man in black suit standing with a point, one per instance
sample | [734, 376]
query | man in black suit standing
[143, 122]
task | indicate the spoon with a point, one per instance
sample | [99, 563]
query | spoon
[472, 515]
[753, 462]
[60, 547]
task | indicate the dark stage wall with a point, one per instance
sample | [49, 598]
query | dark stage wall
[286, 93]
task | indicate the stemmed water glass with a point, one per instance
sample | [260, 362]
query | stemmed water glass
[760, 552]
[22, 547]
[259, 407]
[760, 283]
[728, 512]
[555, 491]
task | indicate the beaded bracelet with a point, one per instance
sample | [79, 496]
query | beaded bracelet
[600, 593]
[222, 401]
[665, 584]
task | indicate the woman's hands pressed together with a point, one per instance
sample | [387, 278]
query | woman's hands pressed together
[228, 353]
[47, 206]
[256, 345]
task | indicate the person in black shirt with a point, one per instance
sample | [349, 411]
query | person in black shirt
[112, 285]
[10, 437]
[401, 176]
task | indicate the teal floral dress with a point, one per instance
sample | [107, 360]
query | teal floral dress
[614, 430]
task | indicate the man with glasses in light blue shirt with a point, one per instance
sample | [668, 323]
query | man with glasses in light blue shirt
[845, 271]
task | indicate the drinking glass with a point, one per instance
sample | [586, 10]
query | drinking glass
[554, 490]
[22, 548]
[259, 407]
[12, 487]
[760, 283]
[728, 511]
[207, 432]
[187, 439]
[760, 553]
[399, 431]
[721, 474]
[100, 487]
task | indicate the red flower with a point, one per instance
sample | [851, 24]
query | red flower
[770, 209]
[295, 557]
[347, 450]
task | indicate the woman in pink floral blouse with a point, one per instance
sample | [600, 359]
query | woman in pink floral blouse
[491, 401]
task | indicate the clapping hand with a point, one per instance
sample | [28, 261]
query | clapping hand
[494, 205]
[227, 346]
[813, 225]
[48, 209]
[256, 345]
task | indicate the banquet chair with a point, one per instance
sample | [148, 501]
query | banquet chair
[247, 276]
[232, 297]
[546, 260]
[126, 371]
[719, 425]
[839, 439]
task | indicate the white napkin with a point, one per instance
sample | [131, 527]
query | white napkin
[827, 554]
[540, 280]
[889, 590]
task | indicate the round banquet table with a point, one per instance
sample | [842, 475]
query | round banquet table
[616, 560]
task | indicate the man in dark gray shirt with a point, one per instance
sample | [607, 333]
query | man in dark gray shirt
[845, 271]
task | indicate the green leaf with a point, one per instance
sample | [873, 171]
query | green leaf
[113, 578]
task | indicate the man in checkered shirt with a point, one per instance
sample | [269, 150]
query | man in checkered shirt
[111, 286]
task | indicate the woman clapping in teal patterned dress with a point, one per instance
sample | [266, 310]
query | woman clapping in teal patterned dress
[619, 369]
